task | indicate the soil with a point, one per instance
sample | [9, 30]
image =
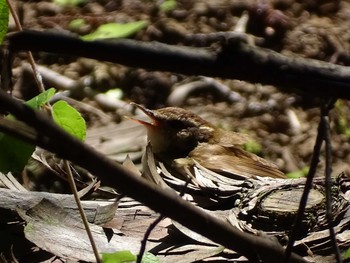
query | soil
[284, 124]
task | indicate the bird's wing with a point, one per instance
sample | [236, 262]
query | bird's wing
[233, 162]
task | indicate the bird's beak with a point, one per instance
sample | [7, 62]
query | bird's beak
[149, 113]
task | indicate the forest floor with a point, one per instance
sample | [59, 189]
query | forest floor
[285, 124]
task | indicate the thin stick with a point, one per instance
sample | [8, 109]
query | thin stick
[154, 224]
[49, 136]
[81, 210]
[37, 76]
[73, 187]
[146, 236]
[307, 188]
[328, 183]
[236, 60]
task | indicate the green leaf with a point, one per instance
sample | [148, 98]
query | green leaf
[149, 258]
[41, 99]
[342, 119]
[69, 2]
[118, 257]
[115, 30]
[76, 24]
[300, 173]
[69, 119]
[4, 19]
[168, 5]
[15, 153]
[253, 147]
[347, 254]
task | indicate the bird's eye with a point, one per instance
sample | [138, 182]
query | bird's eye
[176, 124]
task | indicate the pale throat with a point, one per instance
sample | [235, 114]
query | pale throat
[158, 140]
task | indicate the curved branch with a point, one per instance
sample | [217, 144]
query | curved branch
[46, 134]
[235, 60]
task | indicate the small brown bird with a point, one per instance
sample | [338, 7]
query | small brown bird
[180, 135]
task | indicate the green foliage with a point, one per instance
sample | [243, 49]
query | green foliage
[149, 258]
[15, 153]
[300, 173]
[40, 100]
[115, 30]
[253, 147]
[341, 122]
[69, 119]
[127, 256]
[4, 19]
[347, 254]
[168, 5]
[69, 2]
[118, 257]
[76, 24]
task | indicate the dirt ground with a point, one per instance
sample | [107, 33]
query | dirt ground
[284, 124]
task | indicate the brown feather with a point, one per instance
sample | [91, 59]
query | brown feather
[233, 161]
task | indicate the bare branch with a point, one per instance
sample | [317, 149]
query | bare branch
[167, 202]
[235, 60]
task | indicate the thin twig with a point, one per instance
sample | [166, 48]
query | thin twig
[328, 183]
[81, 211]
[235, 60]
[323, 134]
[146, 236]
[40, 85]
[307, 188]
[53, 138]
[154, 224]
[36, 73]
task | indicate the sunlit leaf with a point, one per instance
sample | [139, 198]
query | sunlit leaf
[300, 173]
[115, 30]
[69, 119]
[253, 147]
[168, 5]
[118, 257]
[149, 258]
[15, 153]
[69, 2]
[41, 99]
[76, 24]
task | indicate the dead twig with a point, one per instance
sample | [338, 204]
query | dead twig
[235, 60]
[146, 236]
[36, 73]
[323, 134]
[153, 225]
[46, 134]
[81, 211]
[328, 181]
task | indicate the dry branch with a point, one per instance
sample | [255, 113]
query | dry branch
[48, 135]
[234, 60]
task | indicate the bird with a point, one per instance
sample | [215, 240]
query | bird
[186, 139]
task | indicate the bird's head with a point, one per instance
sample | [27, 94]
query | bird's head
[174, 132]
